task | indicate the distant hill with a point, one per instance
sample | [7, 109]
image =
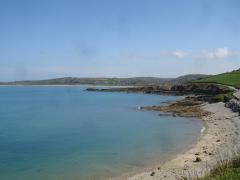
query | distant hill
[229, 78]
[188, 78]
[238, 70]
[137, 81]
[96, 81]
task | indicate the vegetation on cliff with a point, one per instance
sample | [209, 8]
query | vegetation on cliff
[230, 78]
[225, 171]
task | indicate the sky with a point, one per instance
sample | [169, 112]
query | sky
[117, 38]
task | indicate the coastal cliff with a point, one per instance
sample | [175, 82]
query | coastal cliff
[205, 91]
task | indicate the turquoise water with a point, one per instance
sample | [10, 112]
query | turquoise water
[67, 133]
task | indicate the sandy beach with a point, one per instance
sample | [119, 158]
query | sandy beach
[219, 141]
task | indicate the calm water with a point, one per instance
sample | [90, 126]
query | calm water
[67, 133]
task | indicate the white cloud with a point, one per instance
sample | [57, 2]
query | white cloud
[219, 53]
[177, 54]
[180, 54]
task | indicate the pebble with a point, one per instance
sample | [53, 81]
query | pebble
[198, 159]
[152, 174]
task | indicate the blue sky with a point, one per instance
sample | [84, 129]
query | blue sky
[117, 38]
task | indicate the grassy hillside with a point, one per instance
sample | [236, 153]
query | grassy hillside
[232, 79]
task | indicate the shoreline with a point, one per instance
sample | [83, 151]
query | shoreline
[133, 175]
[219, 140]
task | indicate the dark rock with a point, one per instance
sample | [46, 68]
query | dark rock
[91, 89]
[234, 105]
[226, 98]
[198, 159]
[165, 114]
[152, 174]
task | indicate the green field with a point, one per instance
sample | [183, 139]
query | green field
[231, 79]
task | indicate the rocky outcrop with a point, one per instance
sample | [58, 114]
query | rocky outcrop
[201, 88]
[144, 89]
[185, 89]
[234, 105]
[188, 107]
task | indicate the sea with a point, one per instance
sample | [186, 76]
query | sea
[68, 133]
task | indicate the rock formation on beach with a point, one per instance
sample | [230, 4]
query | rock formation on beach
[234, 105]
